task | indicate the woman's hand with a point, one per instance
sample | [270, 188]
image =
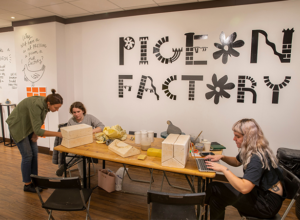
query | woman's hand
[215, 166]
[59, 135]
[214, 158]
[34, 138]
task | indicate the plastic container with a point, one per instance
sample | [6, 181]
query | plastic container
[146, 143]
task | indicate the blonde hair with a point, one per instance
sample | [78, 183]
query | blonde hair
[254, 143]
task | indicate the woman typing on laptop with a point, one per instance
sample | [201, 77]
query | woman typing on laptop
[260, 192]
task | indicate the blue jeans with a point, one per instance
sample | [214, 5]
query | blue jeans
[29, 152]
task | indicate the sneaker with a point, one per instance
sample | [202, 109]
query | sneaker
[60, 171]
[30, 188]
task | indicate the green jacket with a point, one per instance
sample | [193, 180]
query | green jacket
[28, 117]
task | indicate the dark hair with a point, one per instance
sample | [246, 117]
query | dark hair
[54, 98]
[78, 105]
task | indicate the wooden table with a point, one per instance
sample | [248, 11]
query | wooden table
[101, 151]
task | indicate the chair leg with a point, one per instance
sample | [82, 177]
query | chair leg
[288, 209]
[88, 210]
[149, 212]
[50, 214]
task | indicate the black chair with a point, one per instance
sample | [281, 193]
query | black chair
[292, 186]
[174, 206]
[67, 196]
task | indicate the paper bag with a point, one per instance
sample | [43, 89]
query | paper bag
[106, 180]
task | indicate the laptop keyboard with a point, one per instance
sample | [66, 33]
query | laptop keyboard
[201, 164]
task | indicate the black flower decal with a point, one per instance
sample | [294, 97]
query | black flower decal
[226, 47]
[218, 88]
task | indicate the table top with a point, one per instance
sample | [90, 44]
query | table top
[101, 151]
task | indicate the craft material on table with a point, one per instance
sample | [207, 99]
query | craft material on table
[172, 129]
[123, 149]
[194, 140]
[77, 135]
[216, 146]
[175, 150]
[141, 157]
[101, 138]
[115, 132]
[154, 152]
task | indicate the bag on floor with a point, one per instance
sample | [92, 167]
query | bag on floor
[106, 180]
[119, 178]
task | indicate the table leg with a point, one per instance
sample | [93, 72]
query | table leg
[89, 173]
[199, 189]
[63, 156]
[84, 172]
[191, 185]
[103, 164]
[207, 181]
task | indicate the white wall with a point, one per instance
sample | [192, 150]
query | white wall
[93, 59]
[40, 40]
[8, 76]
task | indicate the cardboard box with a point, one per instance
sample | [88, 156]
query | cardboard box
[175, 150]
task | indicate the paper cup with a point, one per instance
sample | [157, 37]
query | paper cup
[137, 137]
[151, 135]
[206, 145]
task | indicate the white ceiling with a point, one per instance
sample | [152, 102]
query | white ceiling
[29, 9]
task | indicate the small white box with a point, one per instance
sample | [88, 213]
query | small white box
[175, 150]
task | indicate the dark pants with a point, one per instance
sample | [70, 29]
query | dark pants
[257, 203]
[29, 152]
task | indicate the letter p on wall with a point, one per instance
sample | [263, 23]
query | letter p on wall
[127, 43]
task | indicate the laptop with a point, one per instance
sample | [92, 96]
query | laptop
[201, 164]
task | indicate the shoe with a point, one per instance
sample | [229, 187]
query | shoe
[60, 171]
[30, 188]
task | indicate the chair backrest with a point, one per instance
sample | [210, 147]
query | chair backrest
[56, 183]
[291, 182]
[175, 199]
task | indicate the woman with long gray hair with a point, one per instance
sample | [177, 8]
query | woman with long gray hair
[260, 192]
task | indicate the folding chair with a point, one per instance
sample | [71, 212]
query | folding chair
[174, 206]
[67, 196]
[292, 186]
